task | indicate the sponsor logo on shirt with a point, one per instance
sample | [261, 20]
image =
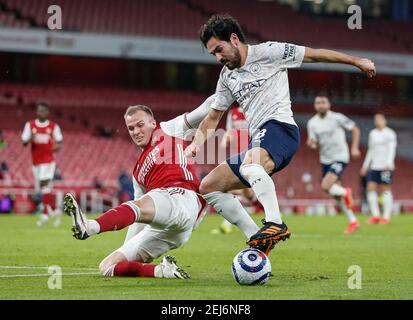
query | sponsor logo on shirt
[289, 51]
[148, 164]
[41, 138]
[247, 90]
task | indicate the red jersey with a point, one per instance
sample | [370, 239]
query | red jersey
[237, 125]
[163, 164]
[42, 136]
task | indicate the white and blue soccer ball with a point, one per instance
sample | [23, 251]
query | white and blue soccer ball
[250, 267]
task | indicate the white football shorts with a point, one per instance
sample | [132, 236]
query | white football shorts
[44, 171]
[176, 215]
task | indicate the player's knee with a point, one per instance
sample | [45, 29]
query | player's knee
[325, 186]
[260, 157]
[206, 187]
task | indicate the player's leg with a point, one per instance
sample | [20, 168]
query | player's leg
[270, 150]
[45, 173]
[117, 263]
[386, 178]
[373, 183]
[214, 188]
[174, 219]
[373, 201]
[226, 226]
[141, 210]
[45, 199]
[330, 183]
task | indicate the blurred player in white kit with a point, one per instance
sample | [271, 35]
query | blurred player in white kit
[326, 131]
[379, 167]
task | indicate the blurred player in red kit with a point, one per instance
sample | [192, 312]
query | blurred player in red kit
[167, 205]
[45, 138]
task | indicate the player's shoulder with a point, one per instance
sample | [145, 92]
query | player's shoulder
[335, 114]
[338, 116]
[390, 132]
[53, 124]
[262, 50]
[313, 119]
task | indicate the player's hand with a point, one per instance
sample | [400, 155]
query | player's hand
[191, 151]
[312, 144]
[363, 172]
[355, 153]
[367, 66]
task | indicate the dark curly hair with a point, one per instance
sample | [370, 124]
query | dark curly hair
[220, 27]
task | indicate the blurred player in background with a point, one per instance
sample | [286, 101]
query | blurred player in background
[166, 207]
[378, 166]
[236, 139]
[326, 131]
[256, 76]
[45, 138]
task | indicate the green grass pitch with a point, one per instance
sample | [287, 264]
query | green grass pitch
[313, 264]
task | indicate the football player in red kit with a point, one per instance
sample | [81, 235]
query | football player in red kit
[45, 138]
[166, 206]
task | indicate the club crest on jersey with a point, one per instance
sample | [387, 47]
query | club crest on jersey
[255, 68]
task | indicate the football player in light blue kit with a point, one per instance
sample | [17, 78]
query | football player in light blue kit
[256, 76]
[379, 167]
[327, 132]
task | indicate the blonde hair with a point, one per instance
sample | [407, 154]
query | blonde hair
[133, 109]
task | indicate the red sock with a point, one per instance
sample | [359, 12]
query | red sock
[116, 218]
[134, 269]
[48, 202]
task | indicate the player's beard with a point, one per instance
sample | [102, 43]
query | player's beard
[234, 61]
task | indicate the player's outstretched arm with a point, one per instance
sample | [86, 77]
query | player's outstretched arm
[331, 56]
[205, 130]
[182, 126]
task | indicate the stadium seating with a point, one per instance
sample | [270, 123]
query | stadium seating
[87, 155]
[182, 19]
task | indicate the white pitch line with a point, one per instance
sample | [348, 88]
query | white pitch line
[47, 275]
[45, 267]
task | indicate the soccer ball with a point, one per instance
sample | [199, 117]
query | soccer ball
[251, 266]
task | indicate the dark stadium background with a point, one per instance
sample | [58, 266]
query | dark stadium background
[88, 88]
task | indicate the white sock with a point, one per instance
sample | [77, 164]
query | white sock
[337, 191]
[348, 212]
[264, 189]
[387, 203]
[231, 209]
[93, 227]
[372, 199]
[157, 272]
[44, 218]
[226, 223]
